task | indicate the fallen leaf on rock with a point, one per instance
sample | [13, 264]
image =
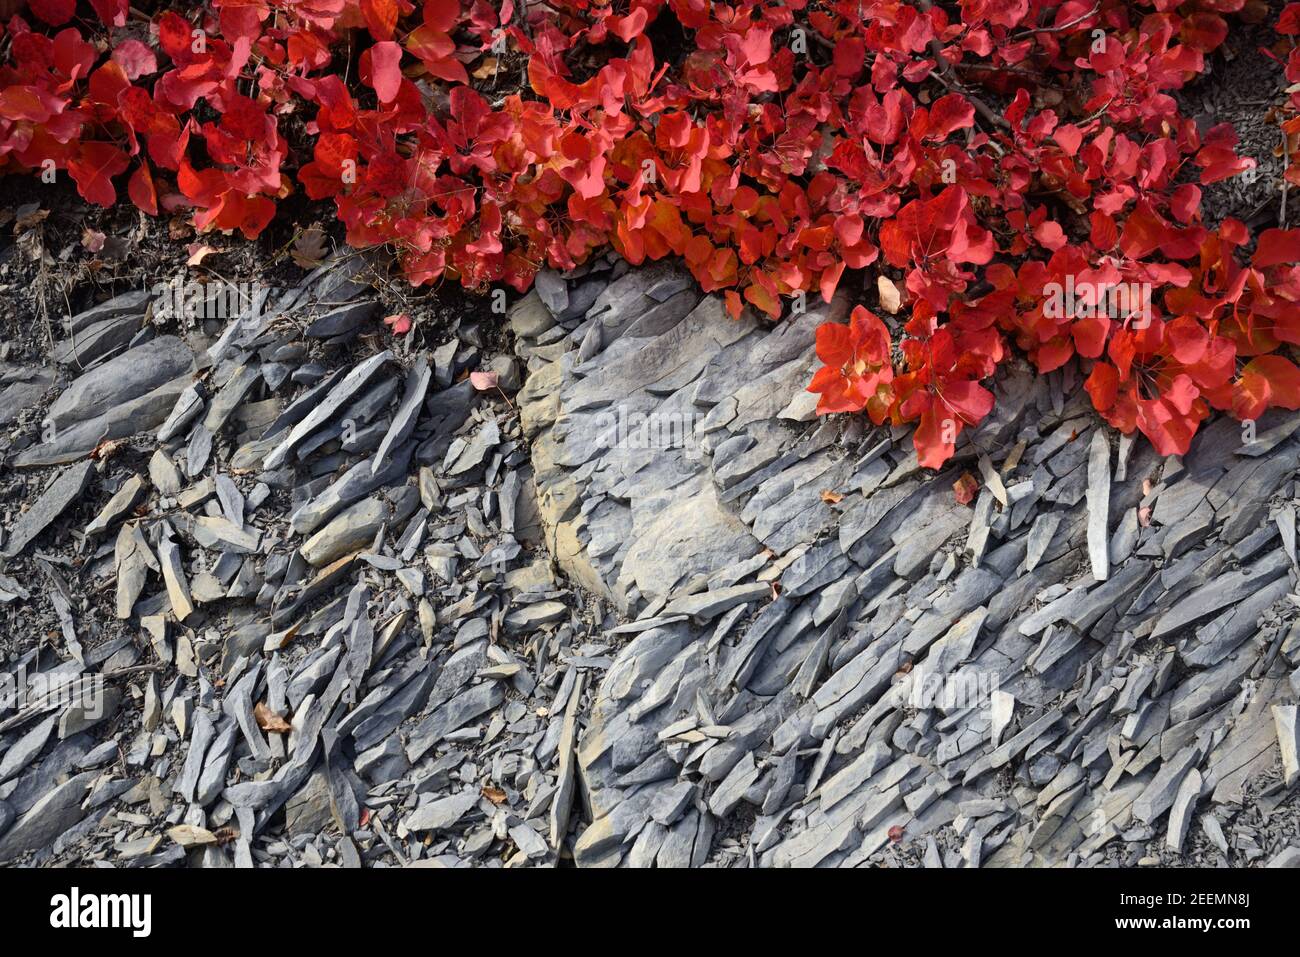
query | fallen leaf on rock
[106, 449]
[92, 240]
[268, 720]
[483, 380]
[399, 324]
[896, 833]
[965, 488]
[494, 794]
[188, 835]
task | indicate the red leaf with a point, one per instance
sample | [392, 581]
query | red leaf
[383, 60]
[141, 189]
[1277, 246]
[1288, 21]
[54, 12]
[1050, 235]
[1266, 382]
[112, 12]
[441, 15]
[135, 59]
[965, 489]
[949, 113]
[93, 170]
[380, 17]
[399, 324]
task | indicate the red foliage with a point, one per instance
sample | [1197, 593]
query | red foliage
[1013, 163]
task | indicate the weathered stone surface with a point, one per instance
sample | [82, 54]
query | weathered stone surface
[63, 491]
[49, 817]
[129, 376]
[347, 388]
[442, 814]
[779, 643]
[21, 389]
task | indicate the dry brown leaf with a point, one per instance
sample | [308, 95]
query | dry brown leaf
[32, 244]
[198, 252]
[494, 794]
[309, 248]
[29, 216]
[831, 497]
[106, 449]
[268, 720]
[487, 68]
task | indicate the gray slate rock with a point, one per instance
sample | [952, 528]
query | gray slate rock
[66, 489]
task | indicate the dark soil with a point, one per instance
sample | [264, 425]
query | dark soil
[1244, 87]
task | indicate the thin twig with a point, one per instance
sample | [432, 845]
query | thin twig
[1281, 219]
[1064, 26]
[942, 66]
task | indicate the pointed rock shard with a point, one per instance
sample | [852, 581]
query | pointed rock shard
[133, 302]
[1122, 456]
[1159, 794]
[1180, 815]
[97, 340]
[338, 396]
[134, 559]
[22, 389]
[233, 392]
[1288, 740]
[178, 588]
[1001, 707]
[992, 480]
[118, 506]
[63, 491]
[1040, 536]
[408, 412]
[10, 590]
[1286, 526]
[1099, 505]
[443, 813]
[224, 535]
[981, 524]
[164, 474]
[188, 405]
[566, 784]
[231, 499]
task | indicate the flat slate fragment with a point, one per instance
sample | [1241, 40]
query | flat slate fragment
[1099, 505]
[63, 491]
